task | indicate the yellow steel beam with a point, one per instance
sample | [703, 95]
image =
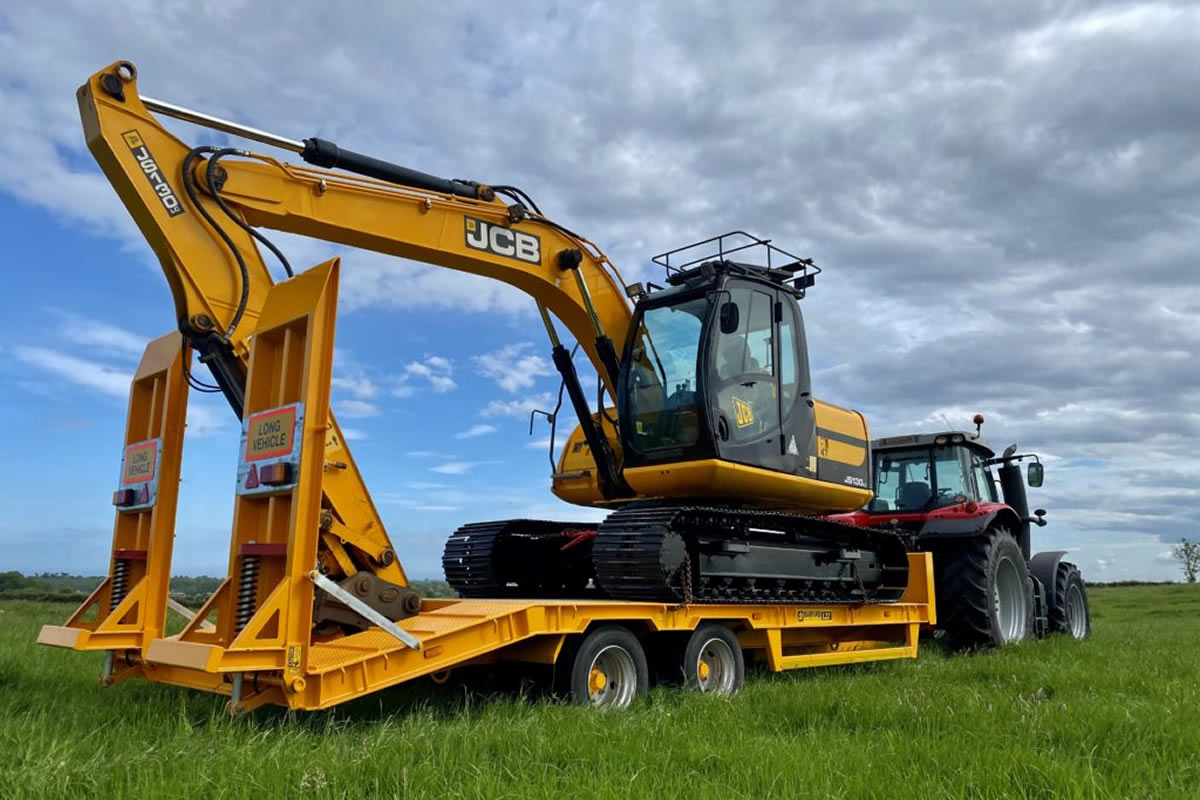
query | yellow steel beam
[128, 610]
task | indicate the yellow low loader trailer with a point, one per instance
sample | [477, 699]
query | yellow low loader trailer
[255, 640]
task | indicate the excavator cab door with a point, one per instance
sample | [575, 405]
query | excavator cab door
[760, 406]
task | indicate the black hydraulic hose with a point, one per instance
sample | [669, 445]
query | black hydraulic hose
[518, 195]
[210, 175]
[189, 186]
[554, 414]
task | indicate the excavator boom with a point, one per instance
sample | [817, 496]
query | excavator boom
[198, 208]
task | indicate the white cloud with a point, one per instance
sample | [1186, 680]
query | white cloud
[415, 504]
[357, 385]
[425, 486]
[353, 434]
[561, 436]
[204, 419]
[351, 377]
[456, 467]
[476, 430]
[520, 408]
[101, 377]
[436, 370]
[97, 334]
[355, 409]
[512, 367]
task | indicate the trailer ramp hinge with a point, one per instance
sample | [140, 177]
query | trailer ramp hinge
[364, 610]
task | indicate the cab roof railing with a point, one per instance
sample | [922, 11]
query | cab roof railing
[775, 263]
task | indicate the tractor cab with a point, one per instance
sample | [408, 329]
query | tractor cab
[927, 471]
[923, 472]
[942, 484]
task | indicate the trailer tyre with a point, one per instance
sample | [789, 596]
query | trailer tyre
[984, 593]
[609, 668]
[1069, 611]
[713, 661]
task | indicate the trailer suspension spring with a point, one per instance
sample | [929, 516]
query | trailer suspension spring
[120, 580]
[247, 591]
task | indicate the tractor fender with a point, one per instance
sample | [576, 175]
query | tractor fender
[1043, 566]
[963, 527]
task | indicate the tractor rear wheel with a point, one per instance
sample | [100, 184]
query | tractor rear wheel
[984, 594]
[1069, 610]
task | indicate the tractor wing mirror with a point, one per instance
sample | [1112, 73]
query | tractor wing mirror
[729, 317]
[1036, 474]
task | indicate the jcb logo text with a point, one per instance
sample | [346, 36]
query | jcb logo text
[503, 241]
[149, 166]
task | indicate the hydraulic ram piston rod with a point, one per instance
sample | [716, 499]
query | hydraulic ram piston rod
[223, 125]
[324, 153]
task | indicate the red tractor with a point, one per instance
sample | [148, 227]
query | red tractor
[939, 492]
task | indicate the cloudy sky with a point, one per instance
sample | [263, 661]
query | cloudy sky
[1005, 198]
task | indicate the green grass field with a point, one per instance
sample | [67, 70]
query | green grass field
[1117, 716]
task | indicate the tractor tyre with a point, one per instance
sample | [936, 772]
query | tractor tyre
[1069, 610]
[984, 593]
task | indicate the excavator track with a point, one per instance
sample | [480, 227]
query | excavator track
[685, 554]
[520, 558]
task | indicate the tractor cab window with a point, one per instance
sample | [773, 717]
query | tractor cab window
[745, 392]
[661, 389]
[983, 480]
[902, 481]
[952, 476]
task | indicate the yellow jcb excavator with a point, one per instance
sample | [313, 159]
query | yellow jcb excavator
[717, 449]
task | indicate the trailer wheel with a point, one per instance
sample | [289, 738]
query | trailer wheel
[984, 594]
[609, 668]
[713, 661]
[1070, 613]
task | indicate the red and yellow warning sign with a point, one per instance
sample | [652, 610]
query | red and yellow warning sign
[270, 434]
[141, 462]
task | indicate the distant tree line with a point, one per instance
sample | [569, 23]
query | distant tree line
[190, 591]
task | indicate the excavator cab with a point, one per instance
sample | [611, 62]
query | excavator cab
[717, 367]
[716, 374]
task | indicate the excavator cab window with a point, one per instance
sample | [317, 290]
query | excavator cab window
[745, 391]
[662, 384]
